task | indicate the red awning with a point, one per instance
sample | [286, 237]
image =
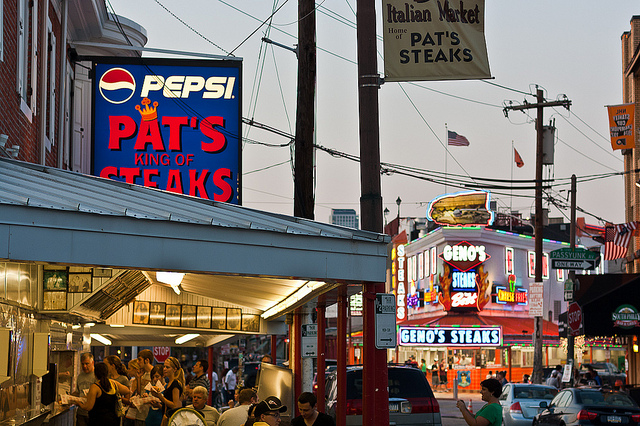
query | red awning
[511, 326]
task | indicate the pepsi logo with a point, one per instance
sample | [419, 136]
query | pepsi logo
[117, 85]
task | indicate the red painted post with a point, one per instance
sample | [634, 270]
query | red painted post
[320, 378]
[341, 357]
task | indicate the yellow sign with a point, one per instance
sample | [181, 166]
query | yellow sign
[434, 40]
[621, 128]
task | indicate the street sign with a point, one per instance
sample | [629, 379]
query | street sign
[574, 319]
[386, 337]
[568, 296]
[309, 340]
[573, 254]
[576, 258]
[582, 265]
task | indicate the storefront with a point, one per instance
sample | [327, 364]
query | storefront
[475, 283]
[255, 265]
[610, 322]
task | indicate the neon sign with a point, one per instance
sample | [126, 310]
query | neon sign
[450, 336]
[464, 256]
[504, 296]
[461, 209]
[401, 292]
[531, 260]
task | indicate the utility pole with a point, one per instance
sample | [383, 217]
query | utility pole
[572, 273]
[303, 200]
[375, 393]
[540, 105]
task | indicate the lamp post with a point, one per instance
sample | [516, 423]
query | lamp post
[398, 202]
[385, 212]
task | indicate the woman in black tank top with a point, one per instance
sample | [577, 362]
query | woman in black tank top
[102, 398]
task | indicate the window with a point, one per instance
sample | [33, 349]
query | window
[27, 52]
[557, 305]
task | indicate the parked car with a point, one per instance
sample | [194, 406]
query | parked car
[608, 372]
[521, 402]
[588, 406]
[411, 400]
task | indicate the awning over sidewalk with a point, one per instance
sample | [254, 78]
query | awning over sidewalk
[236, 255]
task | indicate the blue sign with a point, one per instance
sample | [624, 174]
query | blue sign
[169, 124]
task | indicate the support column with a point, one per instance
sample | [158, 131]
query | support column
[341, 369]
[375, 394]
[274, 349]
[209, 371]
[322, 363]
[296, 359]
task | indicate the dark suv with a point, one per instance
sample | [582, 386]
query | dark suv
[411, 401]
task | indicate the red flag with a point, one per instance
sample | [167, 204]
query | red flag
[519, 161]
[616, 240]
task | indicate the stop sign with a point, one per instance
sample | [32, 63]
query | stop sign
[574, 317]
[161, 353]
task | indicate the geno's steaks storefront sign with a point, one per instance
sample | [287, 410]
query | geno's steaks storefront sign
[450, 336]
[169, 124]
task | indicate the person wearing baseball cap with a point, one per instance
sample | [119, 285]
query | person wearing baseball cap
[267, 412]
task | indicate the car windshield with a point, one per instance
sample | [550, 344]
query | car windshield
[403, 383]
[600, 398]
[531, 392]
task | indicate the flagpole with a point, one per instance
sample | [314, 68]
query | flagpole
[446, 154]
[513, 159]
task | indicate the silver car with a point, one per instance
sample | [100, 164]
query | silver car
[521, 402]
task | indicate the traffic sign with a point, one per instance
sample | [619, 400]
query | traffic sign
[161, 353]
[386, 337]
[309, 340]
[583, 264]
[574, 319]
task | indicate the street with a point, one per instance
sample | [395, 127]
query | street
[449, 412]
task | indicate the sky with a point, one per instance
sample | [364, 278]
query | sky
[567, 48]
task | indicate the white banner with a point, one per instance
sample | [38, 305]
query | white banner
[536, 300]
[434, 40]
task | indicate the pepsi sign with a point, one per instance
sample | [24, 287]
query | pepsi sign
[169, 124]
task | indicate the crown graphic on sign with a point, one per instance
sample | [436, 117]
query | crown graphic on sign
[148, 113]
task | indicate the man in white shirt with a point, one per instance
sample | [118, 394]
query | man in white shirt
[238, 415]
[230, 383]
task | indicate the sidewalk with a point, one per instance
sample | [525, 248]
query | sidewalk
[474, 396]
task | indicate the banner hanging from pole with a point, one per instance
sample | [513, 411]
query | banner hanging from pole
[621, 128]
[435, 40]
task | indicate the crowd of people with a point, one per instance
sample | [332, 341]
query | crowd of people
[143, 394]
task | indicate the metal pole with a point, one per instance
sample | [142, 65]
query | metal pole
[341, 368]
[537, 336]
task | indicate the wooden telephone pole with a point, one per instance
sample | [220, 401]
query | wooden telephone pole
[540, 105]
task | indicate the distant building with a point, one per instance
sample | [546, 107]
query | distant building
[345, 217]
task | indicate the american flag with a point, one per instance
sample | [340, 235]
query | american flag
[616, 240]
[456, 140]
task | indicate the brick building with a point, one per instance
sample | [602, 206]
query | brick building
[44, 96]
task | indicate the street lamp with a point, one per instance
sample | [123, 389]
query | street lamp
[398, 202]
[386, 212]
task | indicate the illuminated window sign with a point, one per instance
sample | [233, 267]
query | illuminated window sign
[420, 265]
[434, 260]
[169, 124]
[531, 260]
[422, 298]
[559, 275]
[508, 260]
[504, 296]
[450, 336]
[427, 271]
